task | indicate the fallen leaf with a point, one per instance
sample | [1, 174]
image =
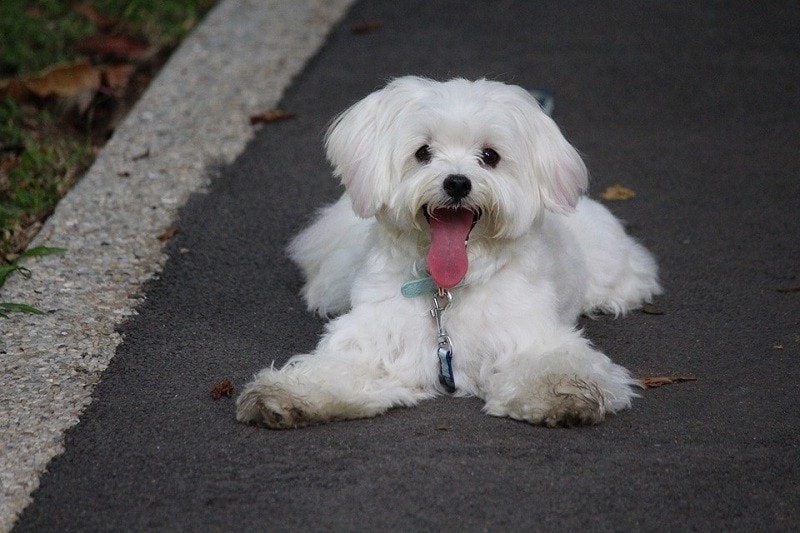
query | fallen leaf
[617, 192]
[652, 382]
[92, 15]
[35, 11]
[63, 79]
[116, 77]
[442, 427]
[792, 288]
[222, 389]
[273, 115]
[651, 309]
[169, 233]
[8, 164]
[366, 27]
[116, 46]
[74, 85]
[188, 24]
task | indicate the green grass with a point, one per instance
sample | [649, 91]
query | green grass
[44, 147]
[37, 33]
[34, 35]
[43, 151]
[43, 171]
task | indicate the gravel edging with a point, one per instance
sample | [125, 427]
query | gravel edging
[194, 115]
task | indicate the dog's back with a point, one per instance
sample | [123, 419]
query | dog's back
[330, 252]
[622, 274]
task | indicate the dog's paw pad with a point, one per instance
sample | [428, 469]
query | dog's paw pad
[571, 412]
[256, 407]
[574, 403]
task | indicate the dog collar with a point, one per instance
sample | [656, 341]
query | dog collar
[424, 286]
[419, 287]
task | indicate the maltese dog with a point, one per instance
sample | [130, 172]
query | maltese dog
[457, 261]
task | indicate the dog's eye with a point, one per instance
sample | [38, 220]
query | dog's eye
[423, 155]
[489, 157]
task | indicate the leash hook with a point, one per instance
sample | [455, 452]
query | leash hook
[441, 300]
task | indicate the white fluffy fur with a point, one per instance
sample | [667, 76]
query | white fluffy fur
[540, 255]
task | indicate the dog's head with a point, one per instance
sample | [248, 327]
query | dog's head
[470, 152]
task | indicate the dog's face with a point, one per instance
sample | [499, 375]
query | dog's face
[481, 145]
[417, 146]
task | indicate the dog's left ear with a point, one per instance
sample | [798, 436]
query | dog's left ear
[560, 173]
[360, 144]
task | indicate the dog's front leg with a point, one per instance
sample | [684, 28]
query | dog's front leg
[357, 371]
[562, 382]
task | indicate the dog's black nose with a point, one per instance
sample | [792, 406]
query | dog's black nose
[457, 186]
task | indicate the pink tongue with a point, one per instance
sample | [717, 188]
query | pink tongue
[447, 258]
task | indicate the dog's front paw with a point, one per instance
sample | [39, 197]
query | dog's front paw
[573, 402]
[271, 406]
[555, 401]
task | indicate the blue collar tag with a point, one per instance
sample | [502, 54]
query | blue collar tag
[446, 377]
[419, 287]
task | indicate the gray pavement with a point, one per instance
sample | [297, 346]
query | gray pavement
[693, 105]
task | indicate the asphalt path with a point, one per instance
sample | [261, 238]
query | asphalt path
[694, 105]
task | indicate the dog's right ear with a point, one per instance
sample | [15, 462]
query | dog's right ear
[361, 145]
[560, 173]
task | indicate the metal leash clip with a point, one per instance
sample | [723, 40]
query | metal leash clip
[441, 300]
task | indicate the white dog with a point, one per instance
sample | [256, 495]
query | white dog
[461, 255]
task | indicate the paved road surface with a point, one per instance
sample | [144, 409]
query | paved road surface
[694, 105]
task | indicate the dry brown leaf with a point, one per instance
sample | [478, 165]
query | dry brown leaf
[366, 27]
[116, 77]
[617, 192]
[651, 309]
[792, 288]
[92, 15]
[169, 234]
[35, 11]
[273, 115]
[63, 80]
[8, 164]
[74, 85]
[116, 46]
[652, 382]
[222, 389]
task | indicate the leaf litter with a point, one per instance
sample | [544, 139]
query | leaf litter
[273, 115]
[62, 103]
[652, 382]
[223, 389]
[617, 192]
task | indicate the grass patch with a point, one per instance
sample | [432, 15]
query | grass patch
[50, 136]
[35, 34]
[36, 175]
[47, 141]
[14, 266]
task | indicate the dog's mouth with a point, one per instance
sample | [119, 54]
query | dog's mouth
[450, 228]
